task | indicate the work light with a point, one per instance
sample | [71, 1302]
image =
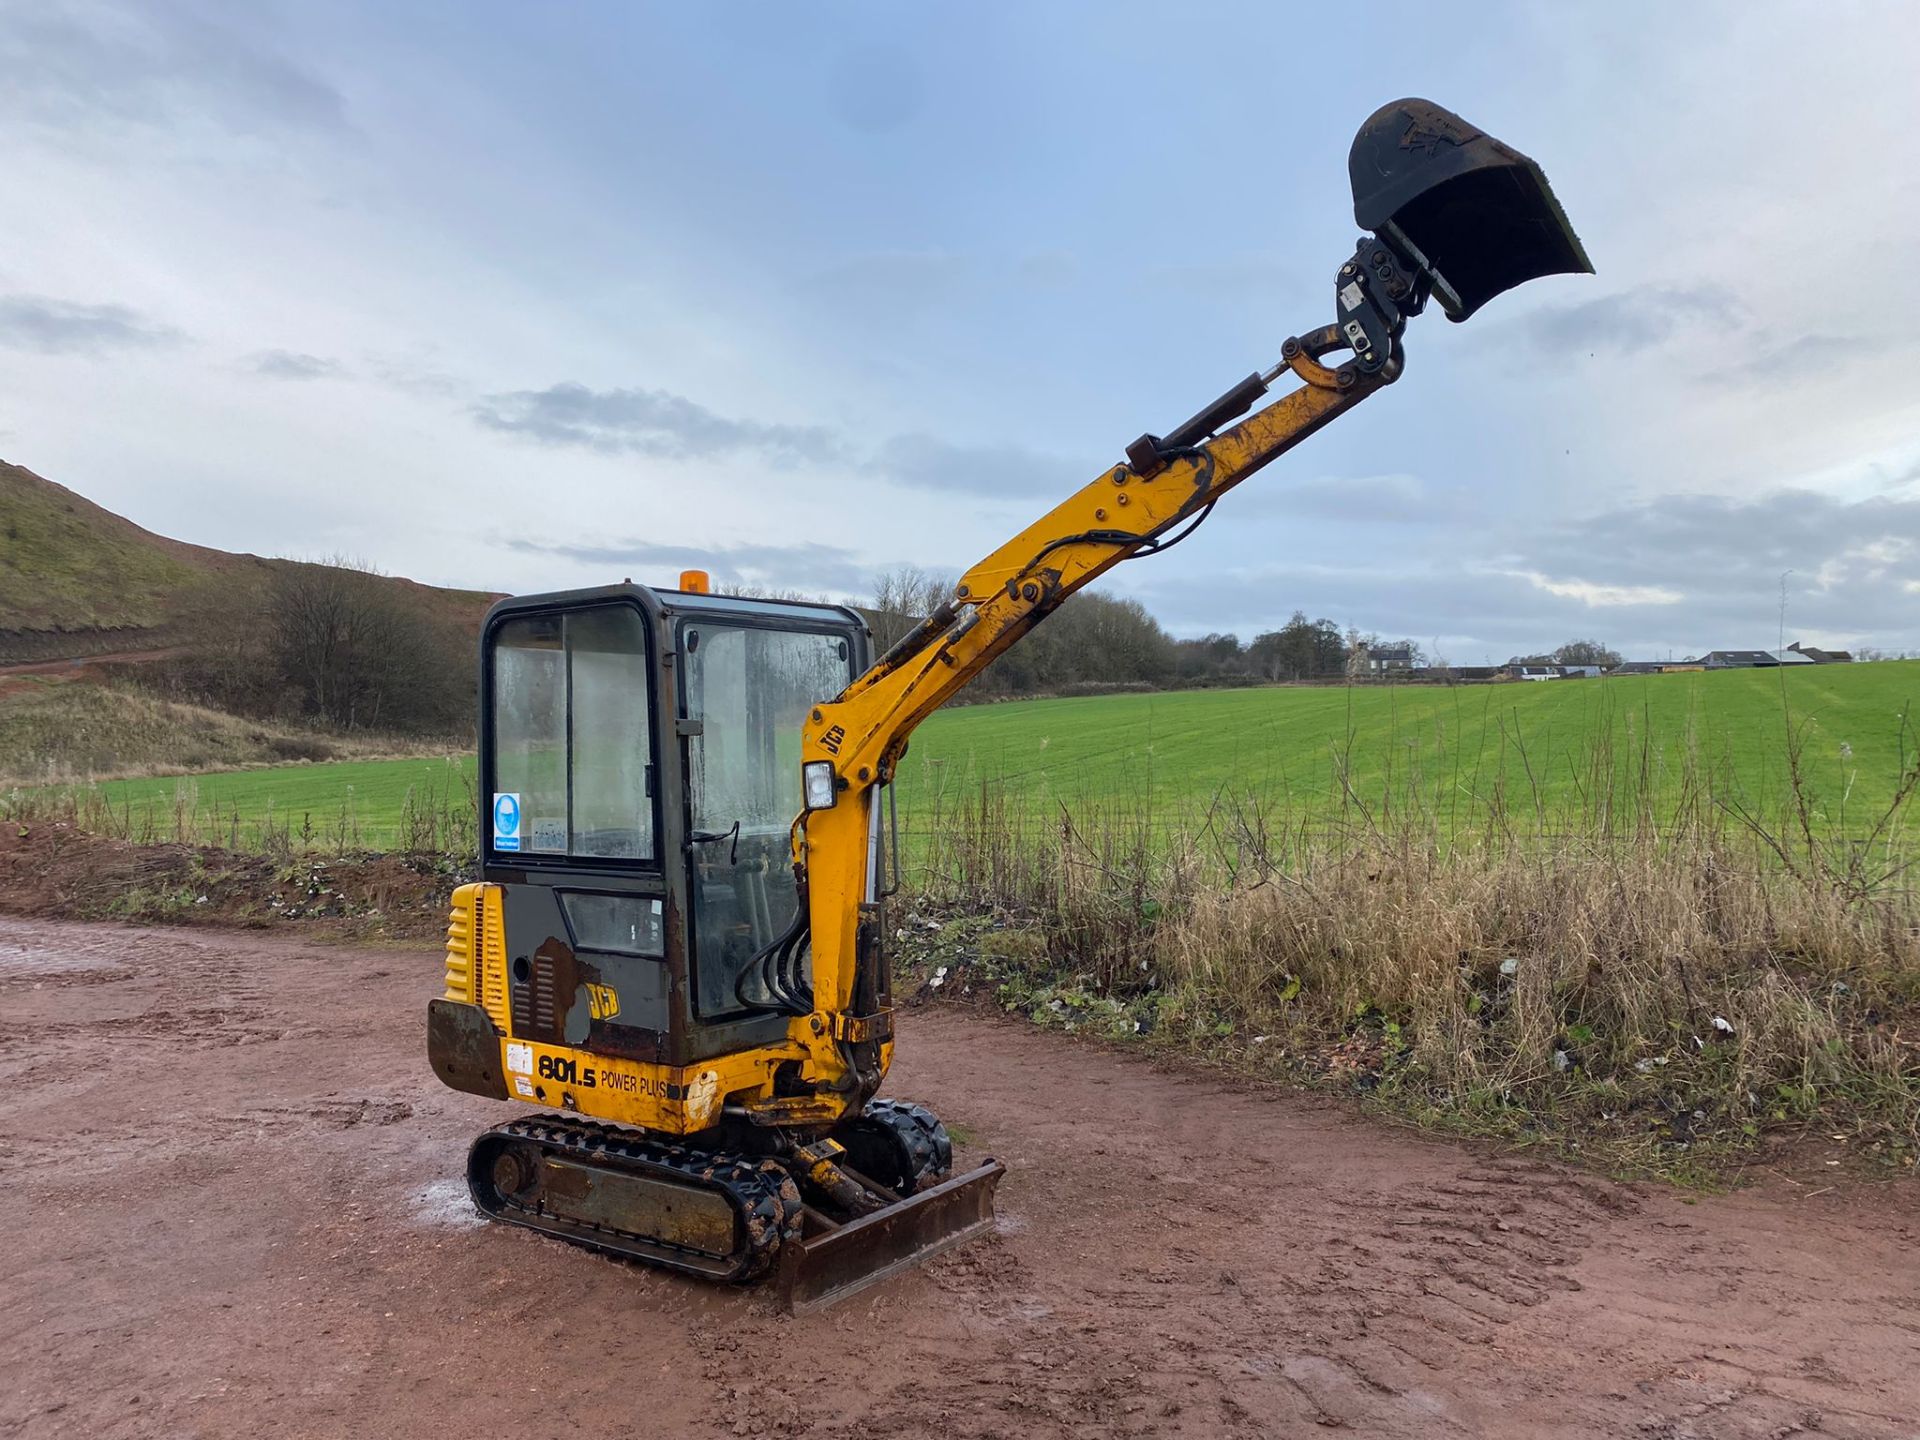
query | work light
[821, 791]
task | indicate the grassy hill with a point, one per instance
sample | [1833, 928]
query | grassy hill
[76, 579]
[67, 565]
[1535, 752]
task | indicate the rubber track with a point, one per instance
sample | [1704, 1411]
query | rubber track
[920, 1135]
[762, 1193]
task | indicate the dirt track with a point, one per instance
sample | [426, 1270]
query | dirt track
[235, 1211]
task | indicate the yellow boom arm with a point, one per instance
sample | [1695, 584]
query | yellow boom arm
[1455, 216]
[1131, 509]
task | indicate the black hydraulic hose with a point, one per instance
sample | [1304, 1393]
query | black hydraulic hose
[768, 964]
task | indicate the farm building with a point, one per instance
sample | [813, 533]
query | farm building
[1822, 657]
[1654, 667]
[1388, 656]
[1752, 659]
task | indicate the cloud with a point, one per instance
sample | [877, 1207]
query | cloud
[657, 422]
[649, 422]
[64, 327]
[1804, 357]
[925, 462]
[1714, 541]
[808, 567]
[1845, 564]
[1686, 573]
[1396, 499]
[159, 66]
[1633, 320]
[1591, 594]
[294, 365]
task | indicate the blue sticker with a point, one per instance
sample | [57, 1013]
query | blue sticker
[506, 820]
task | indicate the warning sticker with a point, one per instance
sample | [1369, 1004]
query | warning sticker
[520, 1058]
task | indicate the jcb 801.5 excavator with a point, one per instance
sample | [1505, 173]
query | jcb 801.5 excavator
[677, 944]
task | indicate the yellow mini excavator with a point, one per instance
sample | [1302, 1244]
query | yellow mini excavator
[677, 951]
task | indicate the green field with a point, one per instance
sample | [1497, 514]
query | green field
[345, 804]
[1539, 751]
[1552, 748]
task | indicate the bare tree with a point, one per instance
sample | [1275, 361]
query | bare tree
[354, 654]
[902, 597]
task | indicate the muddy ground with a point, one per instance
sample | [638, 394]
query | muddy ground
[235, 1210]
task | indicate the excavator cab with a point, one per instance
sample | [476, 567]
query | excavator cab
[640, 771]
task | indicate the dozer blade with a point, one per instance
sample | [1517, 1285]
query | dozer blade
[1474, 214]
[847, 1258]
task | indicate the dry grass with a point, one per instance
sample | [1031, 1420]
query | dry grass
[1669, 983]
[57, 732]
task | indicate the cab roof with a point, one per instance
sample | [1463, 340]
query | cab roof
[687, 602]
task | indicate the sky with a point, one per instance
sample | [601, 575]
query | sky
[525, 297]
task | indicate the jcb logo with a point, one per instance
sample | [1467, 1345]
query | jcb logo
[602, 1002]
[831, 741]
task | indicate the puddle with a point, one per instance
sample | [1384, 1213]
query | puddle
[446, 1203]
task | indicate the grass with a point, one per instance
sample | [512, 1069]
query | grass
[421, 805]
[1556, 754]
[1658, 996]
[67, 564]
[57, 731]
[1657, 921]
[1549, 748]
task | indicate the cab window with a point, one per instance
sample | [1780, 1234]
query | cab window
[572, 742]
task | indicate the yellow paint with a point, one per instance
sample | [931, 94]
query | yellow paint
[673, 1100]
[998, 601]
[862, 734]
[477, 974]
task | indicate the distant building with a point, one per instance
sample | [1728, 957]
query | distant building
[1654, 667]
[1385, 657]
[1822, 657]
[1752, 659]
[1517, 671]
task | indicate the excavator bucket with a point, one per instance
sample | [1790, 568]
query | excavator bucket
[1473, 214]
[835, 1261]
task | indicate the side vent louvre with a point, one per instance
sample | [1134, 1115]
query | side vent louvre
[461, 950]
[536, 1011]
[490, 981]
[476, 952]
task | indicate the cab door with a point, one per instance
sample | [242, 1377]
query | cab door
[746, 689]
